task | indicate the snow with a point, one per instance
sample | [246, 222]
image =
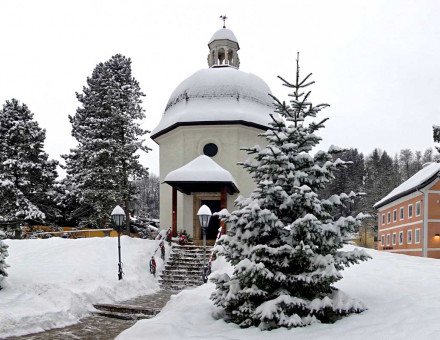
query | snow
[118, 211]
[54, 282]
[200, 169]
[413, 182]
[404, 304]
[204, 210]
[223, 33]
[218, 94]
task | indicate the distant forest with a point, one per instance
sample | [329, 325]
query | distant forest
[376, 175]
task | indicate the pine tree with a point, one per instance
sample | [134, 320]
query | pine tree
[283, 241]
[3, 255]
[27, 175]
[107, 128]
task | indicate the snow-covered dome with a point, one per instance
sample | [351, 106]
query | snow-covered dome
[223, 33]
[218, 95]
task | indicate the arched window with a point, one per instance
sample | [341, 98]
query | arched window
[230, 57]
[221, 56]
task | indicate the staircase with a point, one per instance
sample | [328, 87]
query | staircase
[184, 267]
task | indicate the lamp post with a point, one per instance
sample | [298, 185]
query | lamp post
[118, 217]
[204, 214]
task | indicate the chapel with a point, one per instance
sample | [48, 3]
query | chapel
[208, 118]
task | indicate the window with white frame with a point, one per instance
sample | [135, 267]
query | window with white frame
[418, 208]
[382, 240]
[389, 217]
[417, 238]
[383, 219]
[400, 237]
[409, 236]
[388, 239]
[410, 210]
[401, 213]
[394, 239]
[395, 215]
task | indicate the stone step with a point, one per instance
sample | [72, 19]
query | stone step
[190, 247]
[123, 316]
[176, 287]
[177, 273]
[126, 309]
[184, 265]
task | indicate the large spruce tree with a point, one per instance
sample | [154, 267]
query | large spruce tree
[107, 128]
[283, 241]
[26, 174]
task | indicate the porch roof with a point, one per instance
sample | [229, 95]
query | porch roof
[202, 174]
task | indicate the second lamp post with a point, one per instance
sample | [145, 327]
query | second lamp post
[204, 214]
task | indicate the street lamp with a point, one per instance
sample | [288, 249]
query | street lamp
[204, 214]
[118, 217]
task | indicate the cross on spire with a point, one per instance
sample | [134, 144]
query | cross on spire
[224, 17]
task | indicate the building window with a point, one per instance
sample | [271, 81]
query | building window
[400, 237]
[382, 240]
[401, 213]
[410, 211]
[394, 239]
[417, 240]
[418, 209]
[388, 239]
[383, 219]
[389, 217]
[409, 237]
[394, 215]
[210, 149]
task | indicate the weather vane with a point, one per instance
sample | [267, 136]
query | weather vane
[224, 17]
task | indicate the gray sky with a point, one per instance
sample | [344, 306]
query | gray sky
[376, 62]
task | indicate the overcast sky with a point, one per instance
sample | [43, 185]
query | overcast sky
[377, 63]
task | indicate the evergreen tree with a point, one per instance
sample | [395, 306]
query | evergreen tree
[27, 175]
[107, 128]
[3, 255]
[406, 159]
[146, 202]
[284, 242]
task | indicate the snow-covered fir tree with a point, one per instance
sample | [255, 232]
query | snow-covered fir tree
[3, 255]
[283, 241]
[26, 174]
[107, 128]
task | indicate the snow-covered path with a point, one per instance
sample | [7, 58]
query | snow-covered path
[54, 282]
[401, 292]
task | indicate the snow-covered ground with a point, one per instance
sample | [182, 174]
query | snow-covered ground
[54, 282]
[401, 292]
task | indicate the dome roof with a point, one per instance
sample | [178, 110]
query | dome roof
[223, 33]
[218, 95]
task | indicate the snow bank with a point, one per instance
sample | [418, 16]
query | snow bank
[54, 282]
[400, 291]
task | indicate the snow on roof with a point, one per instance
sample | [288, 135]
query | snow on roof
[200, 169]
[204, 210]
[223, 33]
[218, 94]
[118, 211]
[417, 181]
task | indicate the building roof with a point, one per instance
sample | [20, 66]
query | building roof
[218, 95]
[202, 171]
[223, 33]
[418, 181]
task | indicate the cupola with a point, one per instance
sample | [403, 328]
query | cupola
[223, 48]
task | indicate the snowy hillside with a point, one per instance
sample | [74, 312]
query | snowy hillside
[54, 282]
[401, 292]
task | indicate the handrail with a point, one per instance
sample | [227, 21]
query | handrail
[219, 233]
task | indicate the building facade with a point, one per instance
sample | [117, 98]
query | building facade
[409, 216]
[213, 113]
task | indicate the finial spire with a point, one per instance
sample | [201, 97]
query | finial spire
[224, 17]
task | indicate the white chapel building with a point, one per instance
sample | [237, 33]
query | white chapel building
[208, 118]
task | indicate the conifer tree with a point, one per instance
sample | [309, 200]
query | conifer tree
[283, 241]
[3, 255]
[107, 128]
[27, 175]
